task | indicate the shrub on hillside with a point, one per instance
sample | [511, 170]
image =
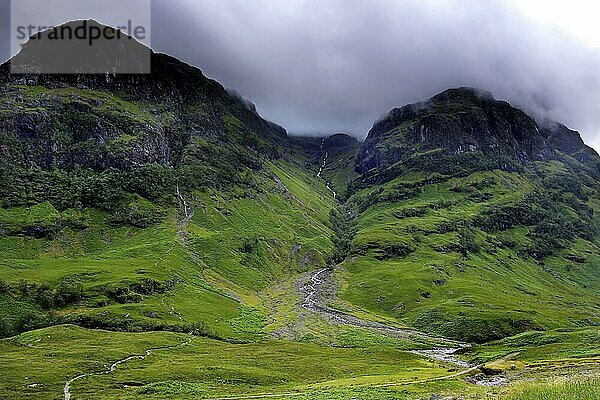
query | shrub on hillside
[46, 296]
[134, 292]
[555, 220]
[67, 293]
[410, 212]
[249, 245]
[467, 240]
[393, 250]
[5, 327]
[155, 182]
[4, 288]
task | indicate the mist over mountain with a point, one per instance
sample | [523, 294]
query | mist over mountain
[161, 239]
[360, 59]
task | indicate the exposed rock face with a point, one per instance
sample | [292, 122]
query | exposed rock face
[121, 121]
[75, 132]
[461, 121]
[569, 142]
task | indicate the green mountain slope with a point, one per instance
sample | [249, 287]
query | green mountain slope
[473, 222]
[159, 239]
[141, 202]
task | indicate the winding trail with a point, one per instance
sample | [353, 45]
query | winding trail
[113, 366]
[320, 289]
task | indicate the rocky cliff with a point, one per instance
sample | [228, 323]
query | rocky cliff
[462, 122]
[103, 120]
[174, 117]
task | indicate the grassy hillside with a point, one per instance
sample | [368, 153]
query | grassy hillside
[470, 222]
[161, 240]
[131, 278]
[154, 202]
[477, 257]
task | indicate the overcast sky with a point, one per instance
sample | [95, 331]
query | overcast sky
[322, 66]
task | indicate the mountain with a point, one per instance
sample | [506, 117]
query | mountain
[459, 123]
[474, 222]
[129, 119]
[125, 189]
[335, 156]
[160, 239]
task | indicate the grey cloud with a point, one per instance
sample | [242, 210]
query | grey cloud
[326, 66]
[322, 66]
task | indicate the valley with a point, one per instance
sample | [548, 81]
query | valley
[160, 239]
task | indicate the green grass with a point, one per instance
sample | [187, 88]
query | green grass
[575, 390]
[233, 255]
[219, 232]
[20, 218]
[252, 242]
[199, 368]
[104, 259]
[539, 347]
[355, 337]
[488, 291]
[186, 367]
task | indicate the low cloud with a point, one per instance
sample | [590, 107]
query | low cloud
[323, 66]
[338, 65]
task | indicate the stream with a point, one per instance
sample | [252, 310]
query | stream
[320, 289]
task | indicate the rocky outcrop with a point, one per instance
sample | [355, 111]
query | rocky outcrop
[339, 143]
[122, 121]
[460, 121]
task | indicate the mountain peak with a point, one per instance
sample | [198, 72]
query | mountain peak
[465, 121]
[82, 46]
[462, 94]
[123, 121]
